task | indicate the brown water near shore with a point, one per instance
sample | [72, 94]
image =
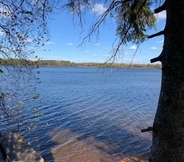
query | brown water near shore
[139, 158]
[74, 148]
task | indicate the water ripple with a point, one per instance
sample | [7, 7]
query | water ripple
[93, 116]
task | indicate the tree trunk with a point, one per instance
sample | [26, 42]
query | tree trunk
[168, 127]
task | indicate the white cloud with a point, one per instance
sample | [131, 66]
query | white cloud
[95, 55]
[161, 41]
[161, 15]
[99, 8]
[69, 44]
[153, 48]
[49, 43]
[96, 44]
[133, 48]
[28, 40]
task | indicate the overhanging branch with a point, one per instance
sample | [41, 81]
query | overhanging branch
[160, 9]
[156, 34]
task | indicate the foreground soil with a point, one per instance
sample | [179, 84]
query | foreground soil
[140, 158]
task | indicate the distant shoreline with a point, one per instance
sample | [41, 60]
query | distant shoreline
[60, 63]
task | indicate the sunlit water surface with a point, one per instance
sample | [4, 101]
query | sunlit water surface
[93, 115]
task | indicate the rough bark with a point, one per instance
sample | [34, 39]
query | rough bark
[168, 127]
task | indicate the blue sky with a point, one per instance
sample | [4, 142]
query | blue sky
[66, 36]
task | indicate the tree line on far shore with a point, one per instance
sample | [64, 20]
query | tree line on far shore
[61, 63]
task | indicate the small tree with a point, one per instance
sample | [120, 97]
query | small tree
[23, 27]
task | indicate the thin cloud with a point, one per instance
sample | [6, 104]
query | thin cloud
[105, 48]
[99, 9]
[28, 40]
[133, 48]
[49, 43]
[96, 44]
[120, 48]
[153, 48]
[160, 16]
[160, 42]
[69, 44]
[107, 56]
[87, 51]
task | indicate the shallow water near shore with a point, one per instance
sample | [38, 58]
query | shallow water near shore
[93, 115]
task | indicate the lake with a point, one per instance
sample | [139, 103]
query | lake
[91, 114]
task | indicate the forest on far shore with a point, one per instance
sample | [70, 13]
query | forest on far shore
[61, 63]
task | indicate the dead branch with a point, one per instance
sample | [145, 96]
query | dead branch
[159, 58]
[147, 129]
[157, 34]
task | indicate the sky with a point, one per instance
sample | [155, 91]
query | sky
[66, 36]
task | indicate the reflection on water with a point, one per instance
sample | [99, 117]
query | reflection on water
[93, 115]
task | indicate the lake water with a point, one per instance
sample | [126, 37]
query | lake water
[93, 115]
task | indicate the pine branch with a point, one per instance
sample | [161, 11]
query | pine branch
[156, 34]
[161, 8]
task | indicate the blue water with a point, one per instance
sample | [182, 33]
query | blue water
[91, 114]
